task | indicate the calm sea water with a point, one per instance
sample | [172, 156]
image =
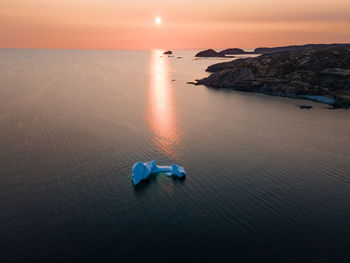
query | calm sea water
[266, 181]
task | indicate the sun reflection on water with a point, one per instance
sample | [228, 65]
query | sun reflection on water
[161, 110]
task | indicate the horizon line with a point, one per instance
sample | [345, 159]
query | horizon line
[159, 48]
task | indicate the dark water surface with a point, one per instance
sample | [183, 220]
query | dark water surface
[266, 181]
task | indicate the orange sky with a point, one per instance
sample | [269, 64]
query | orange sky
[129, 24]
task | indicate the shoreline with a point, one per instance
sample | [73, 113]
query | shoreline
[315, 74]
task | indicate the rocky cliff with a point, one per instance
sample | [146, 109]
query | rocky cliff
[314, 73]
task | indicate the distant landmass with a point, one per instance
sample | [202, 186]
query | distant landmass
[223, 53]
[264, 50]
[315, 72]
[267, 50]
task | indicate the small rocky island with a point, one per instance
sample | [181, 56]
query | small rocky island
[316, 72]
[208, 53]
[223, 53]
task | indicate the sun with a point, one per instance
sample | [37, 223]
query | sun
[158, 20]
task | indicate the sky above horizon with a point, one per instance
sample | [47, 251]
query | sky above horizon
[186, 24]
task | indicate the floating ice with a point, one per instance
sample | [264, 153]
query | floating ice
[322, 99]
[141, 171]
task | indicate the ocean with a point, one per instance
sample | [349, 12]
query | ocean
[266, 181]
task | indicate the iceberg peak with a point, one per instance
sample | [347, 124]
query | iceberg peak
[141, 171]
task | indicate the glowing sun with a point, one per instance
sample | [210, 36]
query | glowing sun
[158, 20]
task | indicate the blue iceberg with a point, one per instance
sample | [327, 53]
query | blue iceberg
[141, 171]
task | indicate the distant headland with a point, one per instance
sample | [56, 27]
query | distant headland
[319, 72]
[263, 50]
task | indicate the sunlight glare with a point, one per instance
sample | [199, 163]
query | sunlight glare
[158, 20]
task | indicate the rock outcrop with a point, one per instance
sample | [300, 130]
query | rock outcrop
[209, 53]
[233, 51]
[321, 74]
[169, 52]
[223, 53]
[305, 107]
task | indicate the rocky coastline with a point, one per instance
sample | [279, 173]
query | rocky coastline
[318, 73]
[264, 50]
